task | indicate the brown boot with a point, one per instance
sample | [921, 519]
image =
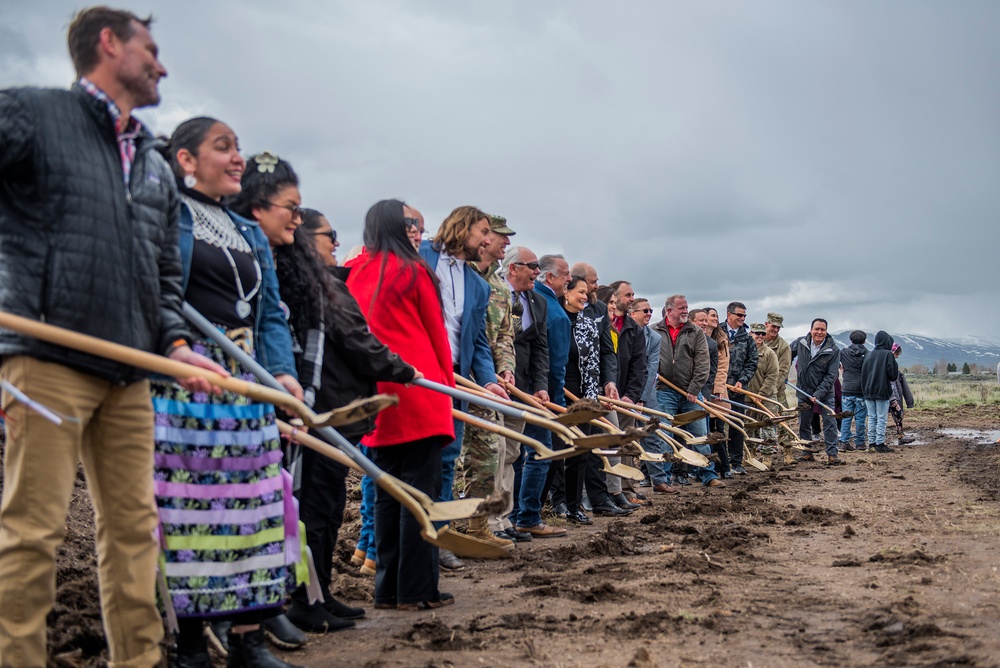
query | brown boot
[479, 527]
[789, 457]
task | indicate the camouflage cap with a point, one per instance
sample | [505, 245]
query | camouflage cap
[775, 319]
[758, 328]
[498, 224]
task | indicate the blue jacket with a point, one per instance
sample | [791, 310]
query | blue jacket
[560, 331]
[652, 365]
[474, 353]
[272, 339]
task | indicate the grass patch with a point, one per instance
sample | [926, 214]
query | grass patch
[947, 391]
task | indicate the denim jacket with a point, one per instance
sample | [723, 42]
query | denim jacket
[272, 339]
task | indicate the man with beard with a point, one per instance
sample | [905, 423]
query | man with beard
[742, 367]
[529, 313]
[464, 298]
[684, 361]
[480, 448]
[817, 365]
[89, 242]
[551, 285]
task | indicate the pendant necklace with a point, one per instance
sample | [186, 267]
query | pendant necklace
[243, 303]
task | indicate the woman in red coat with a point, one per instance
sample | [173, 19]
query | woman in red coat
[398, 294]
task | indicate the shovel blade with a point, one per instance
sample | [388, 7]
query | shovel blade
[687, 418]
[602, 441]
[651, 457]
[357, 410]
[443, 511]
[691, 457]
[556, 455]
[573, 418]
[626, 471]
[467, 546]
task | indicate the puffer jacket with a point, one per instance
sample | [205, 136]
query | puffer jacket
[851, 359]
[742, 357]
[77, 249]
[879, 369]
[686, 364]
[816, 375]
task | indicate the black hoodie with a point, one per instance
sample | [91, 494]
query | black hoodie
[851, 358]
[879, 370]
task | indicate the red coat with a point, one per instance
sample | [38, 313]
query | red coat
[407, 317]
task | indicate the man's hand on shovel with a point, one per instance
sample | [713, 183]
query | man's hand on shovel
[195, 384]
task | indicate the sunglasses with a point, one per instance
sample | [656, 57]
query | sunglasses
[740, 315]
[530, 265]
[329, 233]
[296, 210]
[642, 310]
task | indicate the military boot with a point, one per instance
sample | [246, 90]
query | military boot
[479, 528]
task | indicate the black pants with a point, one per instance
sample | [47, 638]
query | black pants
[736, 441]
[322, 499]
[406, 566]
[721, 449]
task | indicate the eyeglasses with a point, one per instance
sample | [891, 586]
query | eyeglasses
[296, 210]
[533, 266]
[329, 233]
[740, 315]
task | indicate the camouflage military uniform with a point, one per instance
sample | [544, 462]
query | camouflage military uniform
[765, 383]
[784, 353]
[480, 448]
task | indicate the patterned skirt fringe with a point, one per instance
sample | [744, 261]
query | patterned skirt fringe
[228, 521]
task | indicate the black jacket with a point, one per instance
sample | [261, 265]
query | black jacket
[353, 360]
[598, 312]
[631, 380]
[816, 375]
[879, 370]
[531, 348]
[851, 359]
[713, 368]
[742, 357]
[77, 249]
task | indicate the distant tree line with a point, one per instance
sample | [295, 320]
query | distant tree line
[942, 367]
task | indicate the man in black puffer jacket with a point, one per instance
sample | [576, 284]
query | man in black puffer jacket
[88, 241]
[742, 367]
[817, 363]
[851, 359]
[877, 374]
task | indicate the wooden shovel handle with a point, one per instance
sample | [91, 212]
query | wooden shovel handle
[151, 362]
[633, 407]
[755, 396]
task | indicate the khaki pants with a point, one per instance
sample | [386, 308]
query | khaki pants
[510, 450]
[114, 438]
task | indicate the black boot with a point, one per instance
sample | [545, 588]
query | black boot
[248, 650]
[335, 607]
[192, 652]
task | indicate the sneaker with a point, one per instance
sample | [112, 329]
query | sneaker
[882, 447]
[368, 568]
[847, 447]
[517, 536]
[681, 480]
[904, 440]
[728, 475]
[646, 482]
[739, 470]
[449, 562]
[861, 448]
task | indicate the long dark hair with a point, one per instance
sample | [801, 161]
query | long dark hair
[304, 282]
[188, 135]
[264, 176]
[385, 232]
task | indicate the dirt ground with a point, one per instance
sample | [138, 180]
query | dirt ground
[890, 560]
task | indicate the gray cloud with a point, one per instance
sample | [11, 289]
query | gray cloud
[818, 158]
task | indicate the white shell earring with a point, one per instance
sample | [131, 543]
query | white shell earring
[190, 182]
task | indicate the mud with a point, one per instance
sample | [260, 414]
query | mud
[888, 561]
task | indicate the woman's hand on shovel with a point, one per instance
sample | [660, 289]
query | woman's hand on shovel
[290, 384]
[195, 384]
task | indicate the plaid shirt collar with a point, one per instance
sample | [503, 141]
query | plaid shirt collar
[131, 130]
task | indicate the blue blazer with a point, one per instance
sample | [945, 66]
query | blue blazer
[560, 331]
[474, 353]
[271, 336]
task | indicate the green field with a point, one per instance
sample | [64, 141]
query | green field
[931, 391]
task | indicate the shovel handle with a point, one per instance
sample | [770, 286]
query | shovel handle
[633, 407]
[713, 411]
[761, 397]
[810, 397]
[496, 429]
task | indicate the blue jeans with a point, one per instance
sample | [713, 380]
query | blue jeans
[829, 426]
[878, 413]
[670, 401]
[856, 404]
[366, 541]
[528, 508]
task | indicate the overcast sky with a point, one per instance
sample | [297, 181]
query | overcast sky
[832, 159]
